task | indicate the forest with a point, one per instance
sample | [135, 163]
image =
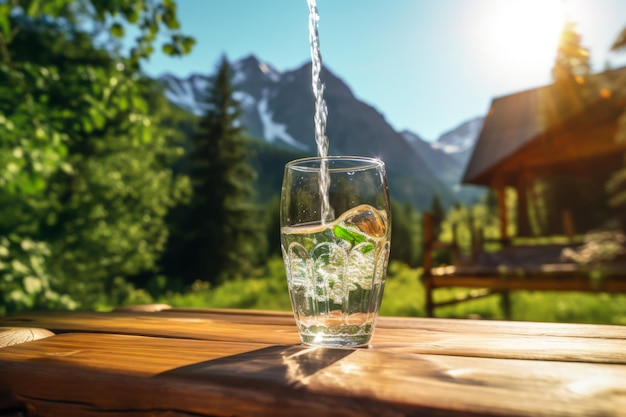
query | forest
[107, 190]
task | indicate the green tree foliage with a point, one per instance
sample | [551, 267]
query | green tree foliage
[151, 17]
[272, 226]
[406, 234]
[220, 234]
[84, 179]
[438, 213]
[270, 160]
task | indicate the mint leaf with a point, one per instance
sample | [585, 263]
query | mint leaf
[367, 248]
[348, 235]
[353, 237]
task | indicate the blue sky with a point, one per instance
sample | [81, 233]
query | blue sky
[426, 65]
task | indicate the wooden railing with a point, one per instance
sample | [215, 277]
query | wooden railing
[539, 270]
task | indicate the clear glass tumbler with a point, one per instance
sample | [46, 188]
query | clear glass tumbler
[336, 261]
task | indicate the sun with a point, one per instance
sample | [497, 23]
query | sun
[520, 37]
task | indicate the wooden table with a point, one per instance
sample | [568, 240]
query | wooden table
[184, 362]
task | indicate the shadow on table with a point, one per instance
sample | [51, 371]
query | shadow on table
[283, 365]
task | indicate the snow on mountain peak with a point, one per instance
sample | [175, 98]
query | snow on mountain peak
[273, 130]
[245, 100]
[238, 77]
[184, 92]
[460, 139]
[461, 144]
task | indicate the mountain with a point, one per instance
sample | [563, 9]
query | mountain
[278, 108]
[449, 154]
[459, 142]
[447, 168]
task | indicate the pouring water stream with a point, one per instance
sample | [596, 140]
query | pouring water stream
[321, 112]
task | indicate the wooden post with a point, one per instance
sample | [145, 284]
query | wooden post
[504, 215]
[568, 224]
[477, 238]
[428, 233]
[505, 304]
[523, 220]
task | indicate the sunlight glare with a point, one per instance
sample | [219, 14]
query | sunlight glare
[521, 36]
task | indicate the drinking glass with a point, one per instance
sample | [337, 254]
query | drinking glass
[336, 261]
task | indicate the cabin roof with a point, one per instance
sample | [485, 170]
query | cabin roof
[516, 121]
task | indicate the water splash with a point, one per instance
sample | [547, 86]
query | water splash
[321, 112]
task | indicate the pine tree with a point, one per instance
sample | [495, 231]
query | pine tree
[570, 74]
[221, 236]
[438, 213]
[572, 59]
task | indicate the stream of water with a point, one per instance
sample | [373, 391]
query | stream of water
[321, 112]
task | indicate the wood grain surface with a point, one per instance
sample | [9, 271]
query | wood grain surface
[190, 362]
[10, 336]
[493, 339]
[94, 373]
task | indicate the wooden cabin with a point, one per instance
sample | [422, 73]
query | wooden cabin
[556, 147]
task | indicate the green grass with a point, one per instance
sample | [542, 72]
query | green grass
[404, 296]
[268, 293]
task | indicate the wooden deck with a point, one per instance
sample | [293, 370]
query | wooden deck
[195, 362]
